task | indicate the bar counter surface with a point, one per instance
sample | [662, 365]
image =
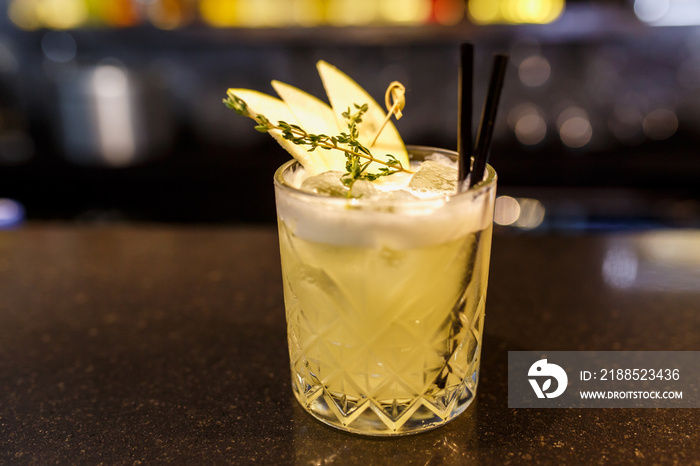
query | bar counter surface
[126, 344]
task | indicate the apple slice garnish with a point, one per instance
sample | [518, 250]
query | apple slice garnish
[276, 110]
[344, 93]
[315, 116]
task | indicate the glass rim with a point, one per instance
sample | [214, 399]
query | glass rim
[485, 185]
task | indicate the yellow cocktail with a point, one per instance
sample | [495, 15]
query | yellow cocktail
[385, 302]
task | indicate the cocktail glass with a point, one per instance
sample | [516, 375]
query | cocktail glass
[385, 302]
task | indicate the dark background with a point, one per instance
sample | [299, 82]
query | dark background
[636, 86]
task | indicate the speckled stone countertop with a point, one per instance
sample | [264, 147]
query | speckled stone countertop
[143, 344]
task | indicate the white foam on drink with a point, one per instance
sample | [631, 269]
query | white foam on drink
[432, 218]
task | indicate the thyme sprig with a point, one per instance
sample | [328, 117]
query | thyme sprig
[358, 156]
[356, 169]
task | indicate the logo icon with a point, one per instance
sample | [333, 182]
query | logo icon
[542, 369]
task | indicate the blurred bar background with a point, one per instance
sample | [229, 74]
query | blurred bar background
[111, 110]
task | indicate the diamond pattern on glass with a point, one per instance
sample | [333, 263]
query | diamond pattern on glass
[371, 373]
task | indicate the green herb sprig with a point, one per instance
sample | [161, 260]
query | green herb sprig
[358, 156]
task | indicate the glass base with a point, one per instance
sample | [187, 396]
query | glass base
[369, 417]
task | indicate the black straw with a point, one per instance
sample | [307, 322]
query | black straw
[488, 118]
[464, 115]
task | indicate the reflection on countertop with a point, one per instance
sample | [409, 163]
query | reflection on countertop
[654, 261]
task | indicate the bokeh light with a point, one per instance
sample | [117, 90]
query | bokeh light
[620, 267]
[64, 14]
[532, 214]
[528, 123]
[11, 213]
[173, 14]
[524, 213]
[22, 13]
[307, 13]
[575, 128]
[219, 13]
[534, 71]
[660, 124]
[515, 11]
[352, 12]
[169, 14]
[448, 12]
[405, 11]
[668, 12]
[113, 113]
[507, 210]
[651, 10]
[59, 46]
